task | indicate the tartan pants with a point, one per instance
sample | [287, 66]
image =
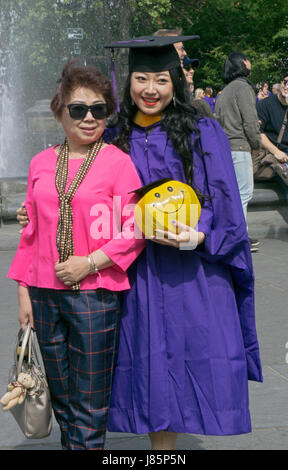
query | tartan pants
[78, 334]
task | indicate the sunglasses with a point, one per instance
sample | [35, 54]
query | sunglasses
[285, 82]
[79, 111]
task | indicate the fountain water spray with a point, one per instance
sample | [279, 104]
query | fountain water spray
[12, 123]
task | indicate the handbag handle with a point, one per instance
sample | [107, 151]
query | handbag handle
[19, 360]
[29, 340]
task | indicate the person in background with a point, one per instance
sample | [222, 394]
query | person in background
[209, 98]
[191, 87]
[72, 260]
[199, 94]
[187, 64]
[263, 92]
[179, 46]
[271, 112]
[189, 82]
[190, 65]
[275, 88]
[236, 112]
[203, 108]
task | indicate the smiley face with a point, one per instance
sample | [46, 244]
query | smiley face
[171, 204]
[169, 201]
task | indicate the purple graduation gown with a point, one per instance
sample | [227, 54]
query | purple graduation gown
[211, 101]
[188, 342]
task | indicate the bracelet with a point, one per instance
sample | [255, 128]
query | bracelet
[93, 266]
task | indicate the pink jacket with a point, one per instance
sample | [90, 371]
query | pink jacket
[102, 218]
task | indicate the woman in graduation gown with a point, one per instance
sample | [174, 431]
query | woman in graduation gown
[188, 341]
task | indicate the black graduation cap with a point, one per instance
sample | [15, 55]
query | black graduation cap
[145, 189]
[151, 53]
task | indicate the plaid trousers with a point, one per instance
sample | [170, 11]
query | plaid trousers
[78, 334]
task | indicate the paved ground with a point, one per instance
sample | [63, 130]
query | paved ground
[268, 400]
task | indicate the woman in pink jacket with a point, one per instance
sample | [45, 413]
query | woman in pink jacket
[73, 255]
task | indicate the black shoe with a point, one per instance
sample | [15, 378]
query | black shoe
[254, 242]
[254, 245]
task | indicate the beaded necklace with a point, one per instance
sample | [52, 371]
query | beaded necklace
[64, 236]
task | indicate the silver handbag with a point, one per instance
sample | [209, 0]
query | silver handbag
[34, 415]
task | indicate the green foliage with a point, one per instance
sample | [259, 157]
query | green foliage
[282, 34]
[146, 13]
[259, 28]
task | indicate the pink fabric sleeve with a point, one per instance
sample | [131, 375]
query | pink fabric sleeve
[23, 284]
[124, 248]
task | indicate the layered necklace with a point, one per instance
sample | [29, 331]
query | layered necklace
[64, 236]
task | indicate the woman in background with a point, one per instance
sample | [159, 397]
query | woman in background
[203, 108]
[236, 113]
[209, 98]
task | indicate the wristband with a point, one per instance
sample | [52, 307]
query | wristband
[93, 266]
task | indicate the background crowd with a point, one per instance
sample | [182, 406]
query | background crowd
[252, 117]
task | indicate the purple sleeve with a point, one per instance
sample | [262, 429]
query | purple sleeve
[227, 241]
[200, 182]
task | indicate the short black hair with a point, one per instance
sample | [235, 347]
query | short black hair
[75, 75]
[234, 67]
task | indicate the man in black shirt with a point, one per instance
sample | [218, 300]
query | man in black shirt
[271, 113]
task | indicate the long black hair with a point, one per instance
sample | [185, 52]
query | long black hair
[179, 120]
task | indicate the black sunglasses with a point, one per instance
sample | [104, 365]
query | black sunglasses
[285, 82]
[79, 111]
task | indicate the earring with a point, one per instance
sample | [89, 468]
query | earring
[132, 102]
[174, 101]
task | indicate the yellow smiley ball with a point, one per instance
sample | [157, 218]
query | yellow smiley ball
[172, 200]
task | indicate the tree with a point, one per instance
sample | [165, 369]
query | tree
[259, 28]
[41, 47]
